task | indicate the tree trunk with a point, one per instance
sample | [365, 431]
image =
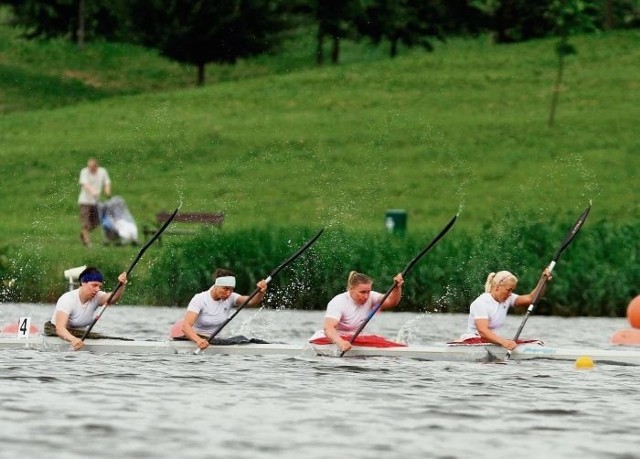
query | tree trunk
[394, 47]
[320, 47]
[81, 23]
[201, 74]
[608, 15]
[335, 50]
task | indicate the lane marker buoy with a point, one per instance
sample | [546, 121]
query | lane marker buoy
[584, 362]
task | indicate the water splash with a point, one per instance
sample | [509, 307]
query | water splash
[408, 332]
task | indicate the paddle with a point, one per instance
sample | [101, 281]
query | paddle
[279, 268]
[404, 273]
[135, 261]
[543, 279]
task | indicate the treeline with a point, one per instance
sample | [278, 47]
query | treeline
[597, 275]
[198, 32]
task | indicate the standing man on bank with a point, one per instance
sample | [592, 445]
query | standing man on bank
[93, 180]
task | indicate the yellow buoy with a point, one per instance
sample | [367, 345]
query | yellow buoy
[584, 362]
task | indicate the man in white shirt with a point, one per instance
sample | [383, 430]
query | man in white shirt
[93, 180]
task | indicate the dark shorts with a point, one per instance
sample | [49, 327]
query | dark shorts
[184, 338]
[89, 216]
[50, 330]
[239, 339]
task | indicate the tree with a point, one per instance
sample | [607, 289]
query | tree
[410, 22]
[569, 17]
[198, 32]
[515, 20]
[335, 19]
[76, 20]
[619, 14]
[460, 17]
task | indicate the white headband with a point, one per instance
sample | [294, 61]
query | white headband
[225, 281]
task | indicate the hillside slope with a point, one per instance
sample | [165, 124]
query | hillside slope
[461, 129]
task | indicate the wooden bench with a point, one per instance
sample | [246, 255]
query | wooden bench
[203, 218]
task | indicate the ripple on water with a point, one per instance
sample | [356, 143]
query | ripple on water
[75, 405]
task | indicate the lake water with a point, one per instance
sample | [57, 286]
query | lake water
[79, 404]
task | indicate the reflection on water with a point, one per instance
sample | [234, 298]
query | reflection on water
[78, 404]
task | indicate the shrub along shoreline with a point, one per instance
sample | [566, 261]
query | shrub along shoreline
[597, 275]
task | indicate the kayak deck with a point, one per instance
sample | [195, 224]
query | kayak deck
[436, 352]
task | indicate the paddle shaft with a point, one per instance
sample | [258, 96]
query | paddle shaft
[537, 292]
[542, 282]
[279, 268]
[406, 271]
[133, 264]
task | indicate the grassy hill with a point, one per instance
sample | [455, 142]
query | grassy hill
[461, 129]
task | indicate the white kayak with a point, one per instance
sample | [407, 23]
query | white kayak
[436, 352]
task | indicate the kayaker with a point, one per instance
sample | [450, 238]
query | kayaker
[75, 310]
[488, 312]
[348, 310]
[208, 310]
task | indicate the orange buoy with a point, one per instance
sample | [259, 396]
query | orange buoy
[633, 312]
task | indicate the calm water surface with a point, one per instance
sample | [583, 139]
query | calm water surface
[78, 404]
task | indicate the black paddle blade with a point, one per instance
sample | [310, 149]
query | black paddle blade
[430, 246]
[299, 252]
[572, 233]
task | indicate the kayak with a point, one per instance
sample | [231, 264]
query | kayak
[435, 352]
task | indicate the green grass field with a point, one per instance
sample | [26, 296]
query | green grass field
[462, 129]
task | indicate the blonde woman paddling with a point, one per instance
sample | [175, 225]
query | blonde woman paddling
[488, 312]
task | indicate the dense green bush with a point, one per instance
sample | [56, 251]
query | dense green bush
[22, 276]
[34, 274]
[7, 280]
[597, 275]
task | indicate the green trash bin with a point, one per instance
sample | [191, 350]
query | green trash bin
[395, 220]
